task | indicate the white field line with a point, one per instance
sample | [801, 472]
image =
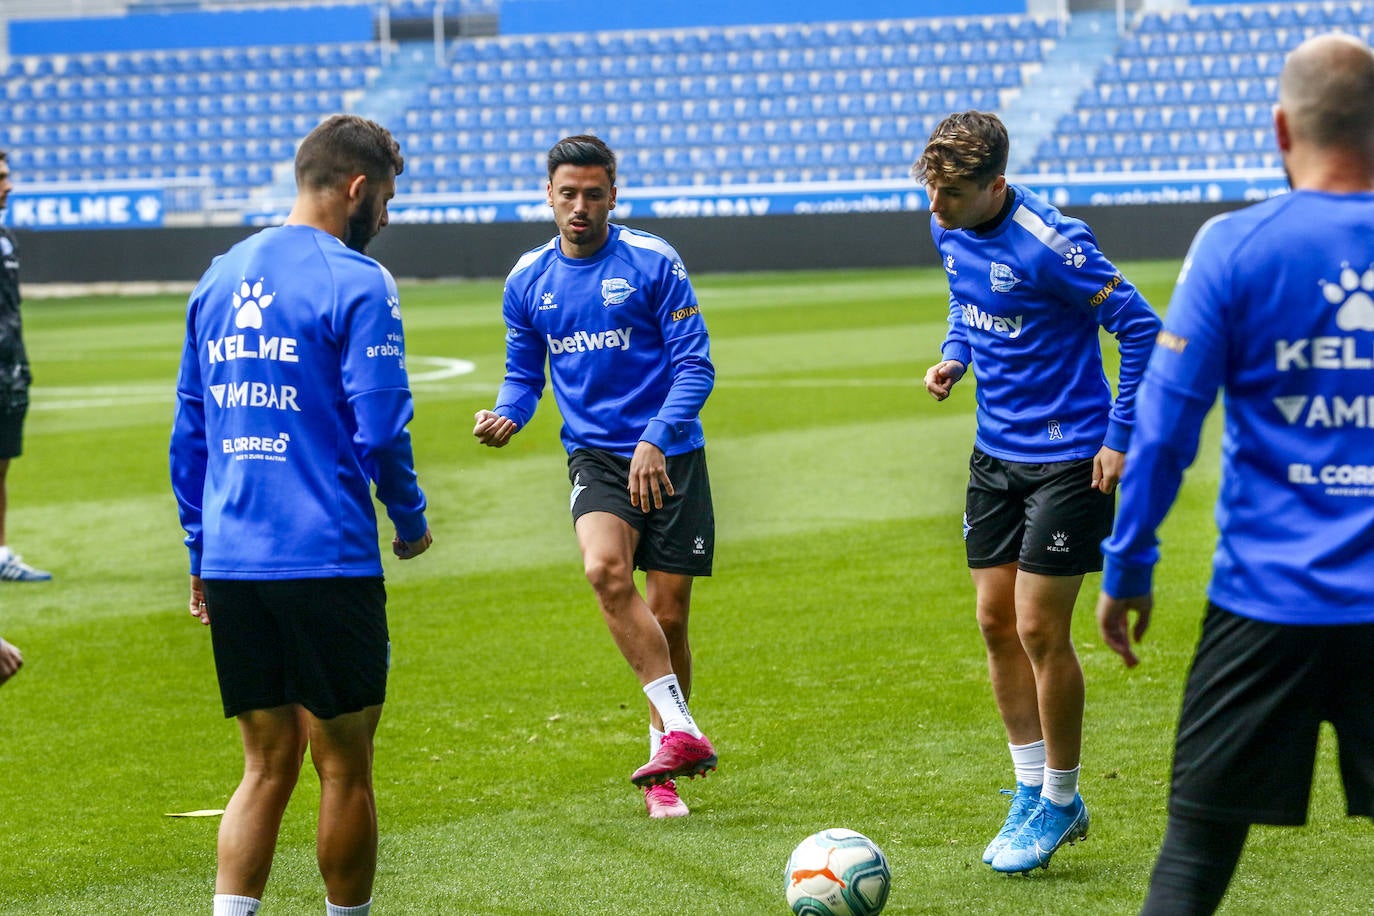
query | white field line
[102, 397]
[433, 369]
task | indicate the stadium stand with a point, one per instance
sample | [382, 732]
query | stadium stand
[226, 115]
[714, 106]
[1191, 90]
[1186, 90]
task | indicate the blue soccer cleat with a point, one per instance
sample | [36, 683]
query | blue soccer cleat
[1050, 826]
[1023, 802]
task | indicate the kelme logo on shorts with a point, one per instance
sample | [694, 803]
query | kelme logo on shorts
[582, 341]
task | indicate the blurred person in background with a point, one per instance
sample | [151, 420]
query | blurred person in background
[15, 379]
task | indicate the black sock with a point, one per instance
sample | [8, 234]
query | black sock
[1194, 867]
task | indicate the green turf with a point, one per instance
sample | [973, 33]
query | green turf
[838, 666]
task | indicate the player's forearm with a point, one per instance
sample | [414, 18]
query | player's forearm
[384, 446]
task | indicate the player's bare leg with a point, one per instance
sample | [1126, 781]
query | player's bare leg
[273, 751]
[1044, 614]
[1009, 668]
[346, 840]
[608, 545]
[670, 599]
[608, 548]
[1013, 689]
[669, 596]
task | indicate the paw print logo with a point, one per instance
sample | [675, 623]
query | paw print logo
[548, 298]
[679, 270]
[698, 545]
[1074, 257]
[1059, 538]
[1352, 292]
[249, 302]
[395, 304]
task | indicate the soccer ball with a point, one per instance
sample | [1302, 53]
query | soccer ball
[837, 872]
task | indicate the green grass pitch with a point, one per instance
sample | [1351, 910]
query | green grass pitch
[838, 666]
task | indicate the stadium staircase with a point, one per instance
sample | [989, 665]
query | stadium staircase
[1191, 91]
[1051, 92]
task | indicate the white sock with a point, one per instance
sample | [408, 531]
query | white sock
[666, 695]
[5, 553]
[1060, 786]
[231, 905]
[655, 739]
[333, 909]
[1029, 762]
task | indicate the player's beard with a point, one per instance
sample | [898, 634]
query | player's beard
[362, 226]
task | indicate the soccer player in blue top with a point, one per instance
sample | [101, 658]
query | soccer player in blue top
[292, 400]
[1274, 304]
[612, 311]
[1028, 291]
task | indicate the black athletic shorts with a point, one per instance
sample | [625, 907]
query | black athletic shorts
[12, 432]
[1047, 517]
[319, 643]
[678, 538]
[1254, 701]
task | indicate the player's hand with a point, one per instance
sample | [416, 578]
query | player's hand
[197, 603]
[409, 550]
[493, 429]
[11, 660]
[1113, 619]
[940, 378]
[1108, 465]
[649, 477]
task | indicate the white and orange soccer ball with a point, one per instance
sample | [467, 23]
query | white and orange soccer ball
[837, 872]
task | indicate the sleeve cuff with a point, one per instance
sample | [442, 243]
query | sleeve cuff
[658, 434]
[1118, 435]
[955, 350]
[1126, 580]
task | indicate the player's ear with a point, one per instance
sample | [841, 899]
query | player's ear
[357, 187]
[613, 189]
[1282, 134]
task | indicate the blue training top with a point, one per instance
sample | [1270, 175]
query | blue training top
[1275, 303]
[1025, 302]
[625, 341]
[292, 396]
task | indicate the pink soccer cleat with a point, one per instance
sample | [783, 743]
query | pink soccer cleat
[679, 754]
[662, 801]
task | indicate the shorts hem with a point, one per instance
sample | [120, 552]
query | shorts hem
[676, 570]
[990, 563]
[1040, 570]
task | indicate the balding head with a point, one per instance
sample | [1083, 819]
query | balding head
[1326, 92]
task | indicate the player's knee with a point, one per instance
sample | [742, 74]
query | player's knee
[673, 622]
[610, 577]
[1043, 638]
[998, 629]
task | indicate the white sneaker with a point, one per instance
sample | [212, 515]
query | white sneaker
[14, 569]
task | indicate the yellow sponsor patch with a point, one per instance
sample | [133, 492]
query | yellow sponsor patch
[1171, 341]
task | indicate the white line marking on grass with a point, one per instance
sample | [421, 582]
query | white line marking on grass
[443, 368]
[103, 397]
[816, 382]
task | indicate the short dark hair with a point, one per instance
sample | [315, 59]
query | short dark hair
[4, 155]
[343, 146]
[582, 149]
[967, 145]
